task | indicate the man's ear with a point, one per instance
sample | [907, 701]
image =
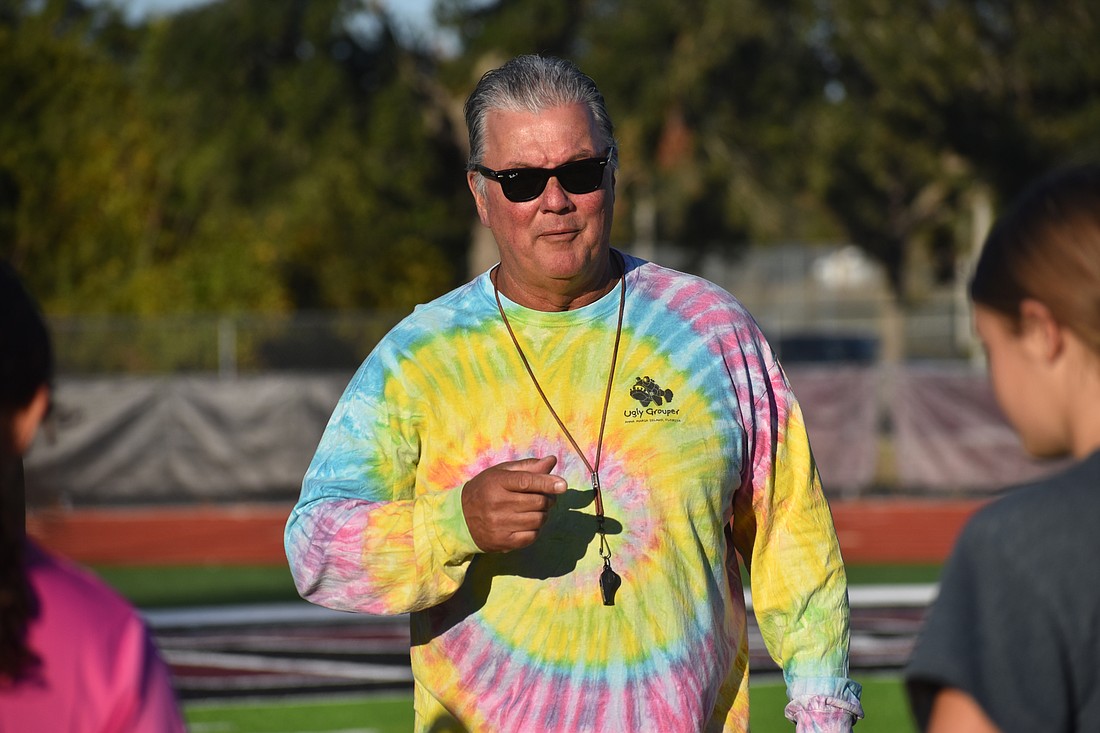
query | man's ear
[479, 197]
[1042, 334]
[26, 420]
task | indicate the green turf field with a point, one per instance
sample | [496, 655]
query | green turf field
[202, 585]
[883, 704]
[176, 586]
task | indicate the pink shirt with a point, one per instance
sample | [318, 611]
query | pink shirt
[99, 672]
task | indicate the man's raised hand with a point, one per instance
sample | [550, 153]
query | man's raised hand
[506, 505]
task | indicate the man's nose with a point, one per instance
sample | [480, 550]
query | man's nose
[554, 197]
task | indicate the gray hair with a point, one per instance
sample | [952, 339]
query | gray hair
[534, 83]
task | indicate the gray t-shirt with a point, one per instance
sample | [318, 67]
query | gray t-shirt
[1017, 621]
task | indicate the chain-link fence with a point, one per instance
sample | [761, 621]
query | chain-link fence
[318, 342]
[227, 344]
[814, 303]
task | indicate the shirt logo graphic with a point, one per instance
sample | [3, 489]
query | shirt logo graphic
[648, 392]
[645, 390]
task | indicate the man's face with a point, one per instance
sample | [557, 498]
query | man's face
[557, 241]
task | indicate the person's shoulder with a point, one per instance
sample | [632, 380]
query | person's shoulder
[477, 294]
[1058, 493]
[459, 309]
[694, 306]
[66, 586]
[680, 291]
[667, 279]
[1061, 504]
[470, 301]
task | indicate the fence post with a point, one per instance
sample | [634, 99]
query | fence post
[227, 347]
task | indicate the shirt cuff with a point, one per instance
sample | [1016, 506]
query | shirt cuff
[824, 705]
[451, 530]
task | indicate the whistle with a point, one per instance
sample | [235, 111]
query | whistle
[609, 583]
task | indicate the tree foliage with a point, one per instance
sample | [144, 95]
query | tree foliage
[711, 98]
[246, 155]
[943, 97]
[747, 120]
[239, 156]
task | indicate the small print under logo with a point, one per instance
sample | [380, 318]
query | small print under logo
[655, 403]
[645, 390]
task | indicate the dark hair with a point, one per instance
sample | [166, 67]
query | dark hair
[1047, 247]
[533, 83]
[26, 359]
[26, 364]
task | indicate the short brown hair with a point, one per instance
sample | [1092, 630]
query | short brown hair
[533, 83]
[1047, 247]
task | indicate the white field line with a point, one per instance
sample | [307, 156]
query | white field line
[306, 698]
[284, 644]
[223, 727]
[248, 614]
[867, 597]
[859, 596]
[916, 595]
[314, 667]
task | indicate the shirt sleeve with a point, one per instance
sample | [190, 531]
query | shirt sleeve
[364, 536]
[145, 699]
[783, 529]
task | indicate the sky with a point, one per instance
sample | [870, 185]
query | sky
[417, 14]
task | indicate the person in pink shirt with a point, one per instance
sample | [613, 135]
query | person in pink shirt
[74, 655]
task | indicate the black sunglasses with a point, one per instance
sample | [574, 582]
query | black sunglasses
[526, 184]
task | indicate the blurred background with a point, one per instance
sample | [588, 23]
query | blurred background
[223, 205]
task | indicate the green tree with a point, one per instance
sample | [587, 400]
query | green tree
[743, 120]
[717, 112]
[308, 135]
[255, 156]
[936, 100]
[238, 156]
[710, 99]
[75, 155]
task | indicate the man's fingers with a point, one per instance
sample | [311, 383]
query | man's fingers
[535, 501]
[505, 506]
[531, 465]
[524, 521]
[534, 483]
[532, 476]
[519, 540]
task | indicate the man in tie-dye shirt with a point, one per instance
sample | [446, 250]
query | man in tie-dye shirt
[554, 468]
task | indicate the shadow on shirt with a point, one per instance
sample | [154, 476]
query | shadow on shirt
[568, 535]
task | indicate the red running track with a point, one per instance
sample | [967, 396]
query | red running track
[870, 531]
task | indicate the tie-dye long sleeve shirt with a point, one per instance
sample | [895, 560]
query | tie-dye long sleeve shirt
[705, 457]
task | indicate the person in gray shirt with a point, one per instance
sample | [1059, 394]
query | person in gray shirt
[1012, 643]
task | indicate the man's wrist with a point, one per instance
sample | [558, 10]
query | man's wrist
[452, 532]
